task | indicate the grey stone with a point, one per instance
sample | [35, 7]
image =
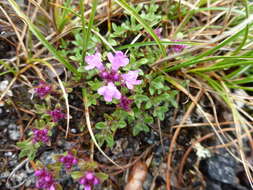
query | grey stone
[14, 135]
[30, 181]
[21, 176]
[221, 168]
[12, 126]
[4, 122]
[13, 131]
[13, 163]
[4, 175]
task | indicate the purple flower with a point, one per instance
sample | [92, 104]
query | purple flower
[109, 92]
[158, 32]
[94, 61]
[178, 47]
[45, 180]
[125, 103]
[118, 60]
[40, 135]
[56, 115]
[43, 89]
[130, 79]
[89, 180]
[69, 160]
[112, 76]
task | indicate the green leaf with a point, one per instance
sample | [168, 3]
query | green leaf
[24, 144]
[139, 98]
[102, 176]
[148, 119]
[148, 105]
[100, 138]
[101, 125]
[160, 112]
[121, 124]
[87, 165]
[109, 140]
[140, 127]
[76, 174]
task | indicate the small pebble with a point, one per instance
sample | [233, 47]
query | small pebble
[12, 126]
[3, 122]
[73, 130]
[8, 154]
[4, 175]
[14, 133]
[20, 177]
[13, 163]
[30, 180]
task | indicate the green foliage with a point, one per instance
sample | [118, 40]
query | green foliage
[108, 129]
[27, 149]
[149, 13]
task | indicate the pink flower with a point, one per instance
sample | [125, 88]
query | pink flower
[178, 47]
[43, 89]
[112, 76]
[130, 79]
[125, 103]
[89, 180]
[118, 60]
[45, 180]
[94, 61]
[56, 115]
[69, 160]
[40, 135]
[158, 32]
[110, 91]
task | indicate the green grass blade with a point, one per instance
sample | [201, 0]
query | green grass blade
[64, 17]
[151, 43]
[241, 70]
[246, 30]
[245, 80]
[42, 39]
[90, 24]
[134, 13]
[221, 67]
[206, 53]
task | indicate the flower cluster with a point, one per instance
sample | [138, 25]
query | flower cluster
[45, 180]
[40, 135]
[175, 48]
[178, 47]
[43, 89]
[69, 160]
[89, 180]
[56, 115]
[112, 75]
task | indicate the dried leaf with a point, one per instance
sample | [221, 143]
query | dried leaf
[137, 176]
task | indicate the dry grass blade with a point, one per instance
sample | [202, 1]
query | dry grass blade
[16, 31]
[240, 124]
[87, 116]
[176, 133]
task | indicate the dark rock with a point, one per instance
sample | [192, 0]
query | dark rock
[213, 185]
[233, 187]
[220, 168]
